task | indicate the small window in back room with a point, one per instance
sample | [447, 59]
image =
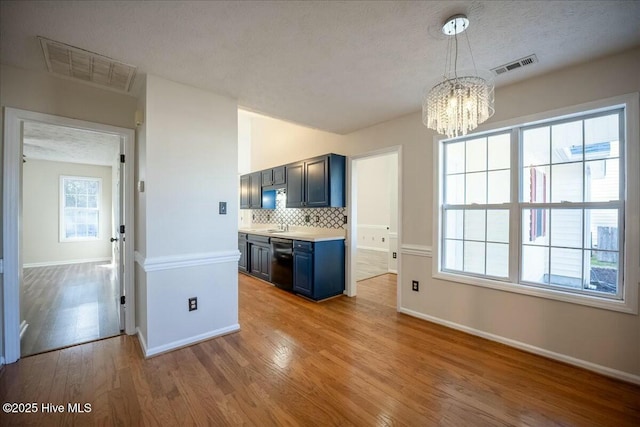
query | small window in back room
[80, 208]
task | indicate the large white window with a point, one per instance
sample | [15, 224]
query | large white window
[80, 208]
[541, 209]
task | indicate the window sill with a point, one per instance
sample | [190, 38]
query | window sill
[623, 306]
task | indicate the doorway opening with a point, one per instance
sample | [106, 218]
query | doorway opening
[375, 226]
[70, 292]
[67, 202]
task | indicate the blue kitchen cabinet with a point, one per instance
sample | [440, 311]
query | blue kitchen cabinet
[318, 268]
[259, 257]
[316, 183]
[242, 247]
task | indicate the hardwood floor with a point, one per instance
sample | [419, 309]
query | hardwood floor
[345, 361]
[68, 304]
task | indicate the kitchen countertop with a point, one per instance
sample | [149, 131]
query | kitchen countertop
[298, 233]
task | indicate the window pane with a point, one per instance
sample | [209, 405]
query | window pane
[499, 151]
[566, 143]
[534, 226]
[476, 184]
[498, 226]
[454, 191]
[603, 271]
[92, 217]
[499, 186]
[474, 225]
[535, 146]
[497, 259]
[92, 202]
[566, 228]
[601, 130]
[92, 230]
[453, 253]
[535, 264]
[476, 155]
[602, 179]
[81, 230]
[92, 187]
[602, 229]
[536, 185]
[454, 224]
[81, 186]
[70, 201]
[474, 257]
[566, 184]
[454, 156]
[566, 267]
[82, 201]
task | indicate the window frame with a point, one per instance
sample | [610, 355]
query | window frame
[630, 206]
[63, 207]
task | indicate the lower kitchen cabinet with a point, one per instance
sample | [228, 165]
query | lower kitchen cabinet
[259, 257]
[318, 268]
[242, 247]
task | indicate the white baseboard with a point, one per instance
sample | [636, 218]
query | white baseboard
[371, 248]
[604, 370]
[66, 262]
[175, 345]
[393, 271]
[142, 340]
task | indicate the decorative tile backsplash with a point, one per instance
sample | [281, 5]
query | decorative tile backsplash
[317, 217]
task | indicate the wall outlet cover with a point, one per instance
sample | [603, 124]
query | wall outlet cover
[193, 303]
[415, 285]
[223, 208]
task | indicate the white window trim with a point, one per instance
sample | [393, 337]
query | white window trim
[631, 263]
[61, 223]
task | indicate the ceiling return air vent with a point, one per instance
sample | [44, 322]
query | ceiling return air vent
[522, 62]
[72, 62]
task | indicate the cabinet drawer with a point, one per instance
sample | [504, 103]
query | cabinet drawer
[253, 238]
[242, 236]
[303, 246]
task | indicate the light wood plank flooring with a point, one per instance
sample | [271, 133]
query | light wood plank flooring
[345, 361]
[371, 263]
[68, 304]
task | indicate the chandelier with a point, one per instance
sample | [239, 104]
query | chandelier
[459, 103]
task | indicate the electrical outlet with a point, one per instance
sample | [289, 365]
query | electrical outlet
[317, 218]
[307, 218]
[344, 219]
[193, 303]
[415, 285]
[383, 240]
[395, 255]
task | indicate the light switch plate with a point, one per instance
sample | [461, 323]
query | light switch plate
[223, 208]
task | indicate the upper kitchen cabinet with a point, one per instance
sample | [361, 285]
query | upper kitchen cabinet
[316, 183]
[275, 176]
[251, 196]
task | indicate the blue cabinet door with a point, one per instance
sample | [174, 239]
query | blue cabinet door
[303, 273]
[295, 185]
[317, 182]
[260, 261]
[242, 247]
[245, 192]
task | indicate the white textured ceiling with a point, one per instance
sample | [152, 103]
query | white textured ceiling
[337, 66]
[61, 144]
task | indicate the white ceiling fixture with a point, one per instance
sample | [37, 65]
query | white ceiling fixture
[462, 100]
[90, 67]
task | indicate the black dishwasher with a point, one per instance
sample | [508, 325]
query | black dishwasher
[282, 263]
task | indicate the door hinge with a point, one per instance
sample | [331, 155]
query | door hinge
[121, 158]
[122, 229]
[122, 300]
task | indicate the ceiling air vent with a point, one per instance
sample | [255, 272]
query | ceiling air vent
[70, 61]
[522, 62]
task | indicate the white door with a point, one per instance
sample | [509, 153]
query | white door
[117, 238]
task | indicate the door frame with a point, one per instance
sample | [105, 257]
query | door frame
[352, 197]
[12, 217]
